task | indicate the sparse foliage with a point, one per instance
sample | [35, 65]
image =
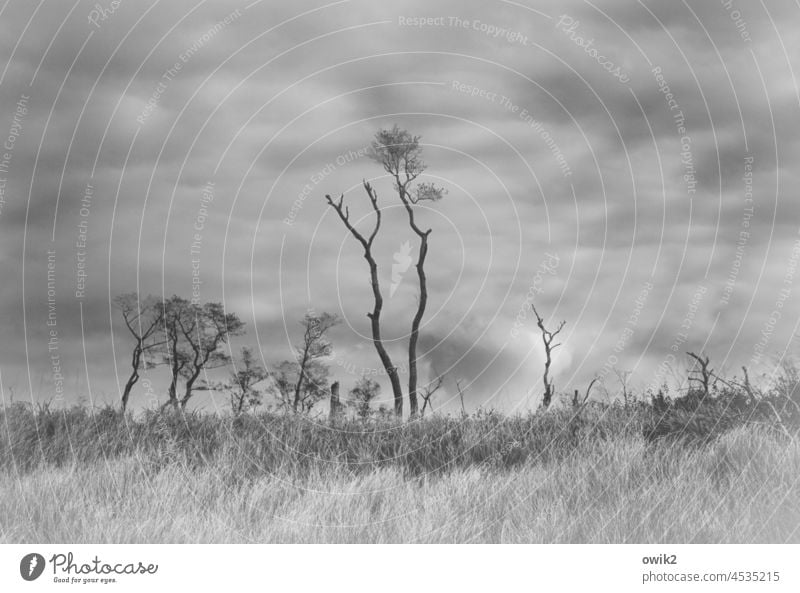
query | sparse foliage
[360, 396]
[400, 155]
[244, 395]
[143, 318]
[375, 315]
[623, 377]
[314, 347]
[301, 383]
[194, 338]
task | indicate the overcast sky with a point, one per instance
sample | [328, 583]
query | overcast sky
[628, 166]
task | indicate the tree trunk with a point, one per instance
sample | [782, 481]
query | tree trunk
[375, 315]
[137, 357]
[375, 318]
[412, 341]
[300, 375]
[548, 386]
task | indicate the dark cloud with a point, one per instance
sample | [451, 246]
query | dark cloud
[541, 148]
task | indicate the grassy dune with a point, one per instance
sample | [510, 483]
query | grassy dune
[78, 476]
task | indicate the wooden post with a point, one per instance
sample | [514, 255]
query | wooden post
[335, 405]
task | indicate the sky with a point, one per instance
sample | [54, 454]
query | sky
[626, 167]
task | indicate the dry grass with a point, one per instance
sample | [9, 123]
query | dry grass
[98, 477]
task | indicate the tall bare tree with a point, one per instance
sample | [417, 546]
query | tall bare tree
[547, 340]
[400, 155]
[375, 315]
[143, 318]
[701, 374]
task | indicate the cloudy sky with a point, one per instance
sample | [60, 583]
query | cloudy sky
[629, 167]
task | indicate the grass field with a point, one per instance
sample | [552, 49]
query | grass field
[82, 476]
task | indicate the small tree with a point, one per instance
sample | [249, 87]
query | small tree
[623, 377]
[315, 346]
[205, 335]
[173, 354]
[143, 318]
[427, 393]
[362, 394]
[701, 373]
[547, 340]
[194, 339]
[244, 395]
[286, 376]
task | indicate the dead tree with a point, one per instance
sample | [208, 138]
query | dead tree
[427, 392]
[703, 374]
[143, 318]
[622, 377]
[576, 402]
[400, 155]
[461, 397]
[547, 340]
[374, 316]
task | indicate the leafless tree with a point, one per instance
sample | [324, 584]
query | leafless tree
[576, 401]
[374, 316]
[400, 155]
[703, 374]
[461, 397]
[427, 392]
[143, 318]
[622, 377]
[547, 340]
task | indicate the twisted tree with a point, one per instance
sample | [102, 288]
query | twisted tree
[143, 318]
[400, 155]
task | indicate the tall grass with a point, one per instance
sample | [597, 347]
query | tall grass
[82, 475]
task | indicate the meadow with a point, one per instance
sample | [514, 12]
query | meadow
[602, 473]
